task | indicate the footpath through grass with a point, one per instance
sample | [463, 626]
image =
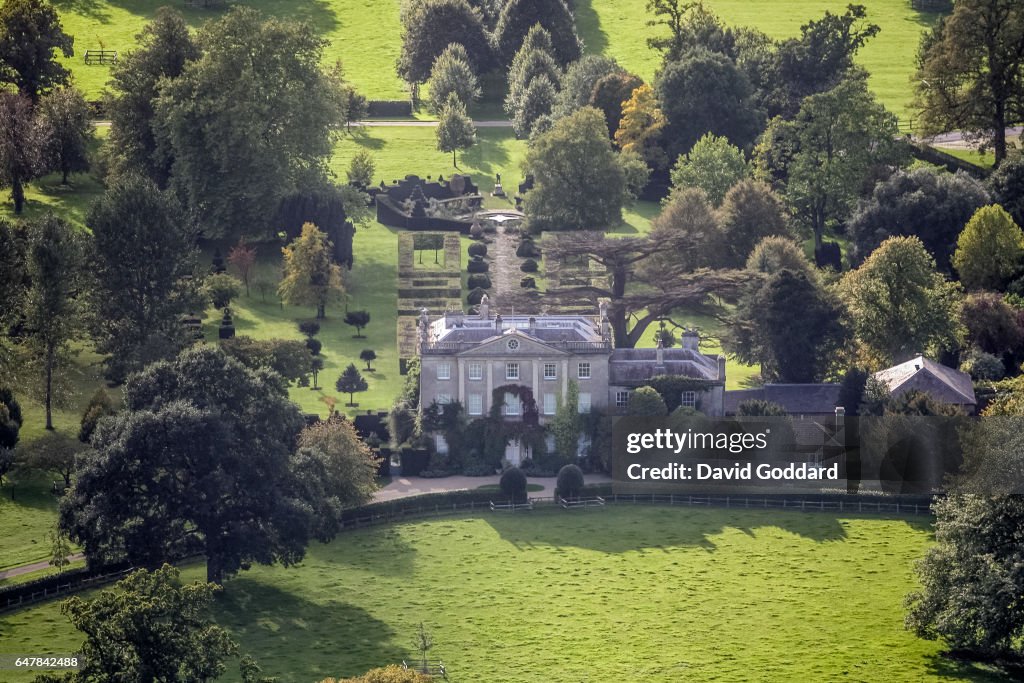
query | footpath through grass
[620, 594]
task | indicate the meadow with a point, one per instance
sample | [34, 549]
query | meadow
[366, 36]
[652, 594]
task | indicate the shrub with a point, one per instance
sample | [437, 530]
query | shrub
[314, 346]
[310, 328]
[513, 484]
[477, 265]
[479, 280]
[528, 249]
[983, 366]
[528, 283]
[570, 481]
[529, 266]
[477, 249]
[478, 470]
[221, 288]
[474, 297]
[829, 256]
[476, 231]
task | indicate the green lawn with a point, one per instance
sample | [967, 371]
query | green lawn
[618, 28]
[630, 594]
[363, 34]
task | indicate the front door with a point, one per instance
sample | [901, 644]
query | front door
[513, 452]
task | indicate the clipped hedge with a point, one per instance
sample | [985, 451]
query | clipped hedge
[529, 266]
[477, 265]
[528, 249]
[528, 283]
[383, 108]
[479, 281]
[477, 249]
[474, 297]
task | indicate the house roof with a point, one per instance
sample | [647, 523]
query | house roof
[935, 379]
[628, 367]
[796, 399]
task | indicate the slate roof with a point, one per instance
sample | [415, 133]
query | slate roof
[940, 382]
[797, 399]
[628, 367]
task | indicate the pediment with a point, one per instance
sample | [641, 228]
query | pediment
[526, 347]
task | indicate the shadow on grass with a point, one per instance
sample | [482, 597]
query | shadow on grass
[598, 529]
[97, 10]
[364, 138]
[300, 640]
[588, 24]
[946, 667]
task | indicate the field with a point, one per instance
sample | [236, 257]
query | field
[366, 35]
[652, 594]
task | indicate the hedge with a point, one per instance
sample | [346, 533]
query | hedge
[477, 265]
[479, 280]
[381, 108]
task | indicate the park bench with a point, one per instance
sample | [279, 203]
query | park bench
[596, 501]
[511, 507]
[101, 56]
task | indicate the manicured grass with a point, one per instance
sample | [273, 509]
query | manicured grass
[621, 594]
[25, 519]
[618, 28]
[363, 34]
[530, 488]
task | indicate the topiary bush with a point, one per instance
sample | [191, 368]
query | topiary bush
[474, 297]
[314, 346]
[529, 266]
[477, 265]
[569, 482]
[528, 283]
[479, 280]
[477, 249]
[476, 231]
[528, 249]
[513, 484]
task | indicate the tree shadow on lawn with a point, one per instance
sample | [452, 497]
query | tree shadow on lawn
[301, 640]
[382, 550]
[32, 493]
[588, 24]
[946, 667]
[364, 137]
[319, 13]
[656, 528]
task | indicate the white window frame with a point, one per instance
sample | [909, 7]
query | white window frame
[444, 371]
[579, 370]
[475, 405]
[553, 367]
[513, 406]
[476, 371]
[584, 406]
[440, 443]
[443, 399]
[509, 367]
[622, 399]
[550, 404]
[688, 399]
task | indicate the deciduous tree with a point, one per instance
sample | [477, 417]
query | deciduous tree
[609, 95]
[143, 274]
[430, 26]
[358, 320]
[519, 16]
[452, 73]
[30, 36]
[243, 258]
[970, 73]
[455, 130]
[22, 141]
[52, 313]
[349, 465]
[899, 304]
[67, 131]
[750, 213]
[578, 82]
[311, 278]
[713, 164]
[989, 250]
[361, 168]
[578, 180]
[200, 460]
[641, 127]
[53, 452]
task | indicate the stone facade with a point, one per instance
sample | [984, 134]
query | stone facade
[466, 358]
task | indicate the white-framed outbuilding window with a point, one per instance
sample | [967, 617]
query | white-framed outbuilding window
[621, 399]
[444, 370]
[511, 370]
[475, 371]
[550, 371]
[689, 399]
[583, 371]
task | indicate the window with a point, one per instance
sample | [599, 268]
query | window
[584, 405]
[550, 371]
[476, 371]
[476, 404]
[584, 371]
[689, 399]
[511, 405]
[443, 399]
[513, 344]
[511, 370]
[440, 444]
[621, 399]
[444, 370]
[549, 404]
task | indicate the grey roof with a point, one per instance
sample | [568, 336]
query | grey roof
[628, 367]
[940, 382]
[797, 399]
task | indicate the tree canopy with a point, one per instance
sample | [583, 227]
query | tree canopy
[519, 16]
[30, 36]
[990, 249]
[430, 26]
[455, 130]
[713, 165]
[311, 278]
